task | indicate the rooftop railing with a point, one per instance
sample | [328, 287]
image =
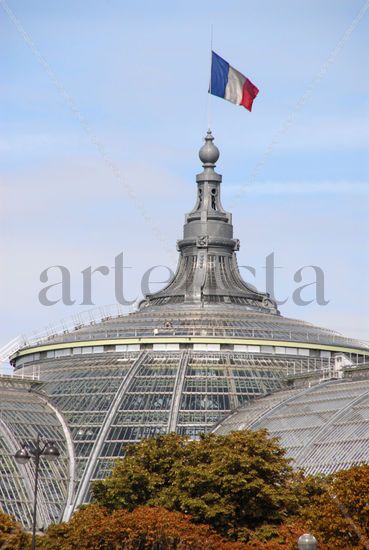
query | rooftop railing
[20, 376]
[67, 330]
[64, 327]
[206, 331]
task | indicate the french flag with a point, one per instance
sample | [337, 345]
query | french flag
[230, 84]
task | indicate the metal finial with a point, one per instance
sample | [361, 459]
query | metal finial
[307, 542]
[209, 153]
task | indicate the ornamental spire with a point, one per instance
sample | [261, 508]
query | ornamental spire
[207, 272]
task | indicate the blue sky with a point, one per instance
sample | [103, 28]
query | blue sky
[122, 87]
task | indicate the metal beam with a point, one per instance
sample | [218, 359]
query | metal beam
[177, 392]
[95, 453]
[71, 455]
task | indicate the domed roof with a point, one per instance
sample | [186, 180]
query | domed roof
[211, 321]
[207, 296]
[191, 354]
[25, 415]
[324, 428]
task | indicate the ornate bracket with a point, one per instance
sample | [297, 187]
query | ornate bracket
[202, 241]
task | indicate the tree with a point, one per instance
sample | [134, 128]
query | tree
[95, 528]
[339, 514]
[12, 536]
[235, 483]
[280, 537]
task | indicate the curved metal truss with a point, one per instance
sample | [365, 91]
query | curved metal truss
[23, 415]
[324, 428]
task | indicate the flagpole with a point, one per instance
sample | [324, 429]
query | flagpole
[209, 92]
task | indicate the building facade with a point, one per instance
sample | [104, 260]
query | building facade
[205, 346]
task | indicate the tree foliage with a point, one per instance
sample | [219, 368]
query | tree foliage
[334, 508]
[280, 537]
[170, 493]
[95, 528]
[339, 514]
[12, 536]
[234, 483]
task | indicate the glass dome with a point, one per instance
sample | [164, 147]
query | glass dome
[194, 352]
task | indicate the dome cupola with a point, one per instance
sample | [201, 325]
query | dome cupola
[207, 272]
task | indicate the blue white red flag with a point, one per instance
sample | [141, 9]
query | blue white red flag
[230, 84]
